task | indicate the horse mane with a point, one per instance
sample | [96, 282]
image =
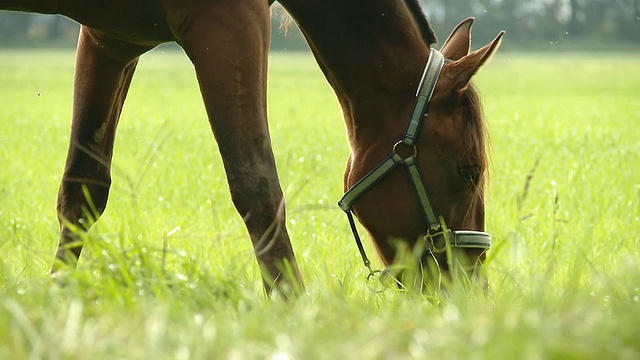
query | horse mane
[475, 130]
[426, 32]
[428, 35]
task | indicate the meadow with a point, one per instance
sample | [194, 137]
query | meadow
[168, 272]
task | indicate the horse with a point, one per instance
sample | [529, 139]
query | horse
[371, 54]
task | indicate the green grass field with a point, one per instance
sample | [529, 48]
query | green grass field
[169, 273]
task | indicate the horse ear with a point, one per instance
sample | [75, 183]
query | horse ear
[458, 43]
[464, 68]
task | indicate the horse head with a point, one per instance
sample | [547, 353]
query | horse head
[434, 215]
[373, 57]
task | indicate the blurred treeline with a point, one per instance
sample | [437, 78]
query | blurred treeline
[530, 24]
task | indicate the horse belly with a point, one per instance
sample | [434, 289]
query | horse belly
[143, 23]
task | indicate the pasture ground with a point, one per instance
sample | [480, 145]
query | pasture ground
[168, 272]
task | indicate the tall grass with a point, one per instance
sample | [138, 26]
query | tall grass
[168, 272]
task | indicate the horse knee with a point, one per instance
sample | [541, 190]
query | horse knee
[257, 198]
[83, 196]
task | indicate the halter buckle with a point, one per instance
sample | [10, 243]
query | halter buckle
[433, 234]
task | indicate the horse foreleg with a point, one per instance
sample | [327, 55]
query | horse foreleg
[103, 73]
[228, 43]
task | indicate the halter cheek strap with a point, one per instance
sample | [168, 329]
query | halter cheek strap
[435, 228]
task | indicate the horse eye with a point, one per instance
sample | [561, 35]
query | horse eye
[469, 173]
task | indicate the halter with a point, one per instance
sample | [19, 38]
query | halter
[438, 237]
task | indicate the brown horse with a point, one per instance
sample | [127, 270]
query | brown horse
[372, 54]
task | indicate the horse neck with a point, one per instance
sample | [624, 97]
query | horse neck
[372, 55]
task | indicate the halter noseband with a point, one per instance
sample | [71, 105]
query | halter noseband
[438, 237]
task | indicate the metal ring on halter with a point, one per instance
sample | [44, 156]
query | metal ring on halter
[372, 274]
[410, 147]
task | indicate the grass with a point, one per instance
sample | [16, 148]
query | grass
[168, 271]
